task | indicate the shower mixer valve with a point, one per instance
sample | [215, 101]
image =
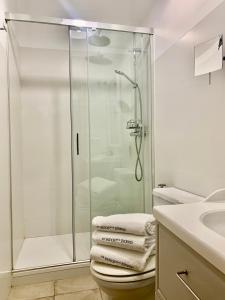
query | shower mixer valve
[136, 126]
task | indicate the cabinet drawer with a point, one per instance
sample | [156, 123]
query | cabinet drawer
[175, 256]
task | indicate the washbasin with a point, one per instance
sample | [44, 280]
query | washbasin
[215, 221]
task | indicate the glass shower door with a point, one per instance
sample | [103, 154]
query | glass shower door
[110, 104]
[79, 100]
[80, 144]
[116, 169]
[39, 94]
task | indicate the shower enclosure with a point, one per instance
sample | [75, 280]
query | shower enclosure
[80, 131]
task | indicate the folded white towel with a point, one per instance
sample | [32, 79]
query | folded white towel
[138, 224]
[121, 257]
[122, 240]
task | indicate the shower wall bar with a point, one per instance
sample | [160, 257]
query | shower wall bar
[75, 23]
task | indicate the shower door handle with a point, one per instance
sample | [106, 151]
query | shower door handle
[78, 147]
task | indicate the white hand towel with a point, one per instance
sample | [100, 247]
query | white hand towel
[138, 224]
[122, 240]
[121, 257]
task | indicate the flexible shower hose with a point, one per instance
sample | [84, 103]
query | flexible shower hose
[138, 146]
[138, 160]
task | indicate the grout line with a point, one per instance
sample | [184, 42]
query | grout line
[101, 293]
[54, 282]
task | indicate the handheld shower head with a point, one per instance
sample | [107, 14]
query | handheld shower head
[118, 72]
[127, 77]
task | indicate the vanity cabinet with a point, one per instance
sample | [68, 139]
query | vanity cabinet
[182, 274]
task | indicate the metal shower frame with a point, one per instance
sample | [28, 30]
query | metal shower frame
[75, 23]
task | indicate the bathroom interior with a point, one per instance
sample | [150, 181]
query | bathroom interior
[112, 150]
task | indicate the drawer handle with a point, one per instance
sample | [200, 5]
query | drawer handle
[179, 274]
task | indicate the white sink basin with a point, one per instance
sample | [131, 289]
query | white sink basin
[215, 221]
[199, 225]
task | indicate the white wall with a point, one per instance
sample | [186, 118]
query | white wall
[189, 115]
[5, 243]
[5, 238]
[172, 19]
[46, 161]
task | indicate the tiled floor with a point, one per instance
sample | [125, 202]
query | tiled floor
[80, 287]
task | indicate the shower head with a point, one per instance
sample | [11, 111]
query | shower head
[98, 40]
[118, 72]
[127, 77]
[99, 59]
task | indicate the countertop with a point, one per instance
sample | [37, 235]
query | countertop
[183, 220]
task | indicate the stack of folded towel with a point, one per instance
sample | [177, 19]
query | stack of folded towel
[125, 240]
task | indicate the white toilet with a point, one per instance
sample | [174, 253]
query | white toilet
[123, 284]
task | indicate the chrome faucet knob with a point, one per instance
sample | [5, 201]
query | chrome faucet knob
[132, 124]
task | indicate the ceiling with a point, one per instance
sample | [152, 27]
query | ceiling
[127, 12]
[171, 19]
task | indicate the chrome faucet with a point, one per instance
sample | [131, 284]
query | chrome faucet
[136, 126]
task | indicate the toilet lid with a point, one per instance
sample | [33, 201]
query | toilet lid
[115, 271]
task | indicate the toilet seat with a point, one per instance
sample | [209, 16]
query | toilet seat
[112, 273]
